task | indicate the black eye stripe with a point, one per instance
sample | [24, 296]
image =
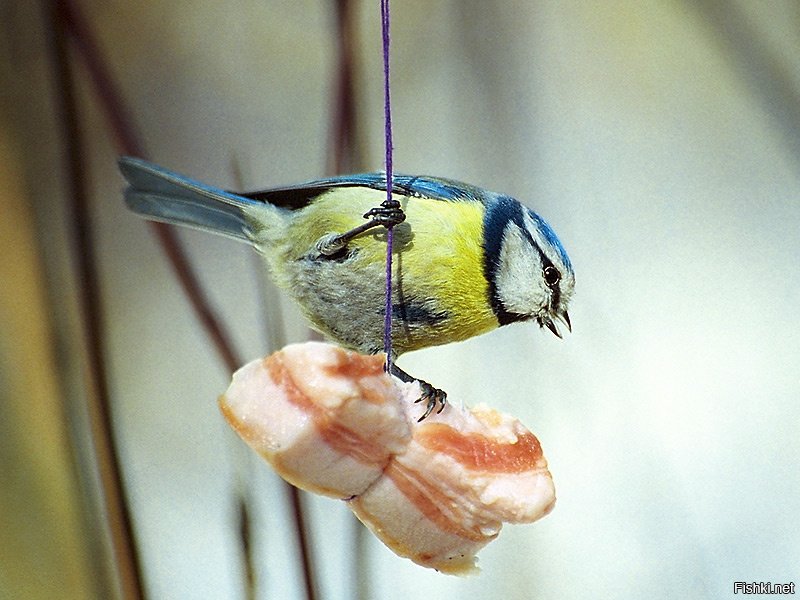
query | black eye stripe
[501, 211]
[547, 264]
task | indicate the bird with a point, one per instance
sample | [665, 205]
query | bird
[465, 260]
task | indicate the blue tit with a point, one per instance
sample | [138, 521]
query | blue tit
[465, 260]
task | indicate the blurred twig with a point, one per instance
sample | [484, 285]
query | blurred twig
[128, 143]
[345, 152]
[90, 305]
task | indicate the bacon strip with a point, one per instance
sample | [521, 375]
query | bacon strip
[479, 452]
[340, 438]
[332, 422]
[322, 431]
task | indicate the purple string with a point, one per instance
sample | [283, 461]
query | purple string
[387, 324]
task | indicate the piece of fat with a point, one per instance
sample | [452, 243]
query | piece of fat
[462, 475]
[327, 420]
[333, 422]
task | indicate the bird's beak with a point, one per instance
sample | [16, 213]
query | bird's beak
[564, 316]
[548, 322]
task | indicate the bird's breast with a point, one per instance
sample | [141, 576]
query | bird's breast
[440, 293]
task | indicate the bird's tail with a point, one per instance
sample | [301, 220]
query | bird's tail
[161, 195]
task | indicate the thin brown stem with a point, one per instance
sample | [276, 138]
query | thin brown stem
[127, 141]
[123, 538]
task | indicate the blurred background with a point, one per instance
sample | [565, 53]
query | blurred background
[661, 140]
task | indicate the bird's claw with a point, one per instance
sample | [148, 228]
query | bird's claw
[430, 394]
[433, 396]
[388, 214]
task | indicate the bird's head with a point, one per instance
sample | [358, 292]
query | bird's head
[529, 273]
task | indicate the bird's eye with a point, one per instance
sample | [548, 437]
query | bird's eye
[551, 276]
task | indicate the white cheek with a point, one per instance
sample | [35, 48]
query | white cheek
[518, 278]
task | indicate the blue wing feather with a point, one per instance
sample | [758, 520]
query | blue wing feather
[163, 195]
[298, 196]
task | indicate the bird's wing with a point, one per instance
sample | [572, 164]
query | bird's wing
[421, 186]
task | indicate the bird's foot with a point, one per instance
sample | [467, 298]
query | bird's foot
[387, 214]
[430, 394]
[433, 396]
